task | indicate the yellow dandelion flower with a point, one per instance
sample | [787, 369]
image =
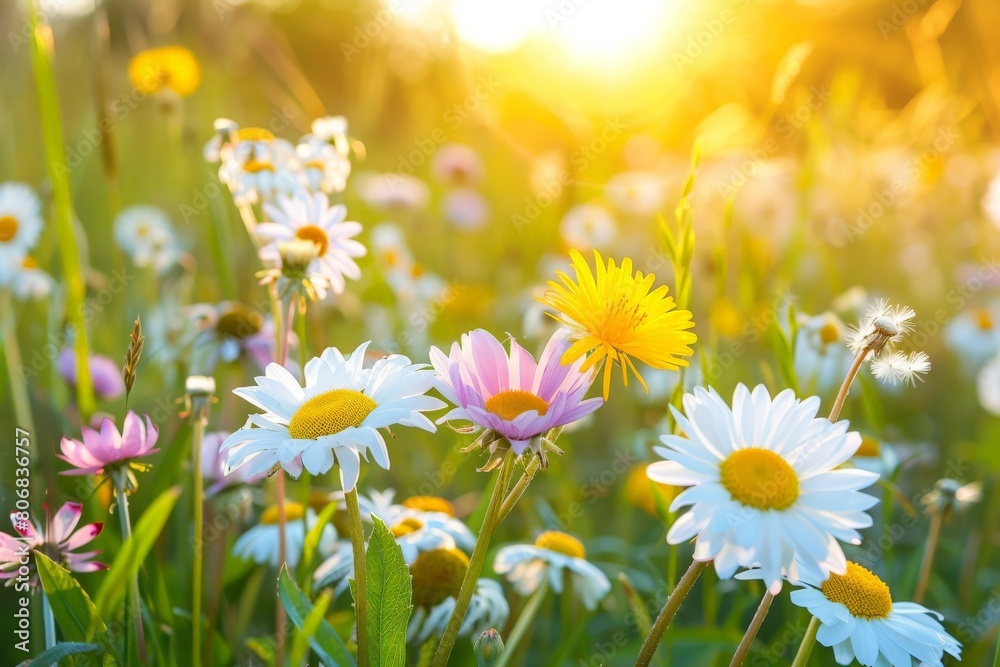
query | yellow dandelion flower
[169, 67]
[614, 316]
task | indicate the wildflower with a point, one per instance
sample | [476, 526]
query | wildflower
[332, 130]
[513, 396]
[146, 235]
[898, 367]
[437, 579]
[457, 165]
[230, 330]
[876, 456]
[333, 419]
[58, 540]
[861, 622]
[764, 484]
[20, 226]
[260, 543]
[821, 358]
[553, 555]
[106, 451]
[396, 192]
[30, 282]
[465, 209]
[105, 374]
[974, 335]
[213, 465]
[225, 132]
[646, 494]
[588, 226]
[172, 68]
[881, 328]
[321, 167]
[614, 317]
[256, 166]
[309, 217]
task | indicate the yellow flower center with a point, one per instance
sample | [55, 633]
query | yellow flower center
[253, 134]
[983, 317]
[553, 540]
[239, 323]
[869, 446]
[863, 593]
[8, 228]
[330, 412]
[758, 477]
[293, 512]
[513, 402]
[642, 492]
[29, 263]
[406, 526]
[829, 333]
[430, 504]
[438, 574]
[316, 235]
[254, 166]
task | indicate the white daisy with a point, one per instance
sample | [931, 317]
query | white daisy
[146, 235]
[333, 419]
[861, 622]
[553, 555]
[20, 225]
[225, 130]
[260, 543]
[332, 130]
[437, 579]
[588, 227]
[898, 367]
[321, 167]
[821, 359]
[309, 217]
[974, 335]
[30, 282]
[257, 166]
[764, 488]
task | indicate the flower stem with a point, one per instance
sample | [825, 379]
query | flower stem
[490, 523]
[518, 489]
[845, 388]
[928, 561]
[805, 648]
[199, 419]
[281, 328]
[50, 622]
[15, 368]
[673, 603]
[360, 583]
[752, 629]
[134, 634]
[524, 621]
[55, 157]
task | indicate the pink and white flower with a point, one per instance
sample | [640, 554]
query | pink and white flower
[100, 451]
[512, 394]
[58, 541]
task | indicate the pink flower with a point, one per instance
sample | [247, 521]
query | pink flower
[512, 395]
[108, 448]
[105, 375]
[213, 465]
[58, 542]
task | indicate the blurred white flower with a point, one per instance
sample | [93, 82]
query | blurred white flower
[392, 191]
[257, 166]
[821, 358]
[466, 209]
[588, 227]
[30, 282]
[321, 167]
[146, 235]
[974, 335]
[260, 543]
[20, 226]
[988, 386]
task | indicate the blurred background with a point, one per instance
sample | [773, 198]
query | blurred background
[848, 152]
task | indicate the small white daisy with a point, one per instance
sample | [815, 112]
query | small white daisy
[225, 130]
[20, 225]
[333, 419]
[309, 217]
[261, 542]
[321, 167]
[553, 555]
[588, 227]
[257, 166]
[899, 367]
[861, 622]
[764, 485]
[30, 282]
[146, 235]
[821, 359]
[332, 130]
[974, 335]
[437, 579]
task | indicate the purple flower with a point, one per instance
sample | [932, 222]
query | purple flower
[58, 541]
[108, 448]
[105, 375]
[512, 395]
[213, 465]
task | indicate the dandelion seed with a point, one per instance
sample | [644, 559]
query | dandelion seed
[898, 367]
[882, 327]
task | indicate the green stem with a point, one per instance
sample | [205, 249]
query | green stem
[490, 523]
[360, 583]
[133, 614]
[673, 603]
[805, 648]
[15, 367]
[752, 630]
[50, 622]
[199, 417]
[926, 565]
[518, 489]
[524, 621]
[52, 134]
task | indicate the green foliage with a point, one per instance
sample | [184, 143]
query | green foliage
[324, 640]
[389, 595]
[52, 656]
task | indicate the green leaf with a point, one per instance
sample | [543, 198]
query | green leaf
[134, 551]
[389, 595]
[53, 655]
[324, 641]
[309, 626]
[312, 543]
[71, 606]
